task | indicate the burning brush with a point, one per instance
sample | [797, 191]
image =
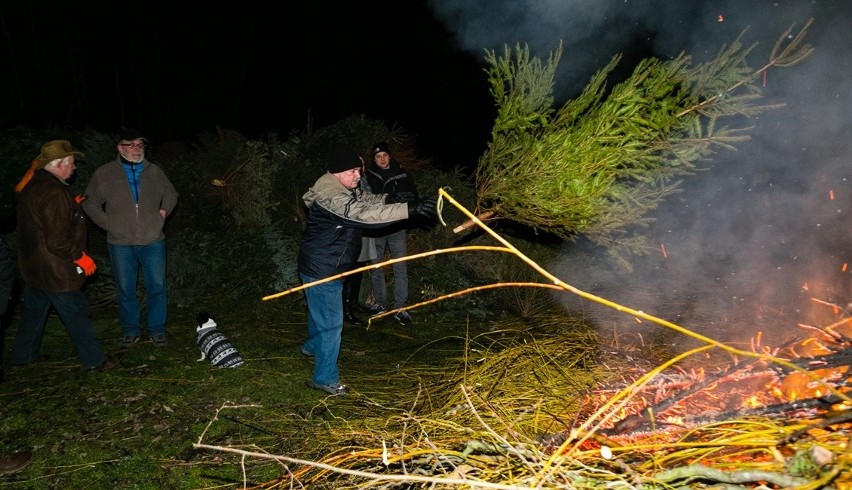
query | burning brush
[805, 379]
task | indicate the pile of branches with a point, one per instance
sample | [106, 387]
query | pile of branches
[532, 410]
[810, 387]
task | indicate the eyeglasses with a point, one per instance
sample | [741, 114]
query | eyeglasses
[140, 146]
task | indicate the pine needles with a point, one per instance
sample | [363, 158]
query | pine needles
[598, 165]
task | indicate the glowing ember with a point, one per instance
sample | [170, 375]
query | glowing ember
[752, 402]
[808, 378]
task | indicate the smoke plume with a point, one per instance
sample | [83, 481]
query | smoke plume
[759, 241]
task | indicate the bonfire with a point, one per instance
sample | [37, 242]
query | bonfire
[547, 408]
[551, 403]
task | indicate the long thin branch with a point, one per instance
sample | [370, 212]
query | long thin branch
[363, 474]
[387, 262]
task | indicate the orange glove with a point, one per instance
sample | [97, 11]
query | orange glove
[87, 264]
[79, 198]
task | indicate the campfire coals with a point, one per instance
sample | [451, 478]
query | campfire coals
[739, 390]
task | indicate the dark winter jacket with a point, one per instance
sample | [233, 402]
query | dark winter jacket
[397, 184]
[51, 235]
[110, 204]
[393, 181]
[336, 215]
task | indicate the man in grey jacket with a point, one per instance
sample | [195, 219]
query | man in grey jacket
[337, 212]
[131, 197]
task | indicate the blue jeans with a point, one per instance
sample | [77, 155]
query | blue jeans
[325, 325]
[397, 242]
[73, 309]
[126, 260]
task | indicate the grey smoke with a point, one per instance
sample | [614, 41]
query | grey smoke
[753, 240]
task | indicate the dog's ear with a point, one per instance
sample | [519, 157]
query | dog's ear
[202, 317]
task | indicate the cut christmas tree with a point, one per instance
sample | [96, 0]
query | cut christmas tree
[598, 165]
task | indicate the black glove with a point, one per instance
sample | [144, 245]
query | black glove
[400, 197]
[424, 208]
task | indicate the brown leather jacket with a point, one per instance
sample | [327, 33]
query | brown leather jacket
[51, 235]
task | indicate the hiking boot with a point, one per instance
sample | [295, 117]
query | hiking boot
[377, 309]
[403, 317]
[350, 317]
[159, 340]
[333, 390]
[128, 341]
[362, 308]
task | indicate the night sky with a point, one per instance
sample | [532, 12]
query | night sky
[256, 67]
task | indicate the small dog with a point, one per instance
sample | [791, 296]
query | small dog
[214, 345]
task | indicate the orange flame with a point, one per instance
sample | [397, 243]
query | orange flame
[752, 402]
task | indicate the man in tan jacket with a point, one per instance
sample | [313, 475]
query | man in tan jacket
[337, 212]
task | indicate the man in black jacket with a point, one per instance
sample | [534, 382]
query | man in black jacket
[386, 176]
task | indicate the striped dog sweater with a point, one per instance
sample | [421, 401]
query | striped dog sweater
[214, 346]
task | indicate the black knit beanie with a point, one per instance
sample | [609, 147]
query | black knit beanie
[342, 158]
[379, 147]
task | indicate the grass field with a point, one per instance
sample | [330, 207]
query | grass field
[134, 426]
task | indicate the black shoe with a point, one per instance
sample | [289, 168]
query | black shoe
[350, 317]
[362, 308]
[109, 362]
[377, 309]
[403, 317]
[128, 341]
[159, 340]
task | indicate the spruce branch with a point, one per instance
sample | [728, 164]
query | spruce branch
[733, 60]
[602, 162]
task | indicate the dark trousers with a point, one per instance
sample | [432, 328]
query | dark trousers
[352, 290]
[73, 309]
